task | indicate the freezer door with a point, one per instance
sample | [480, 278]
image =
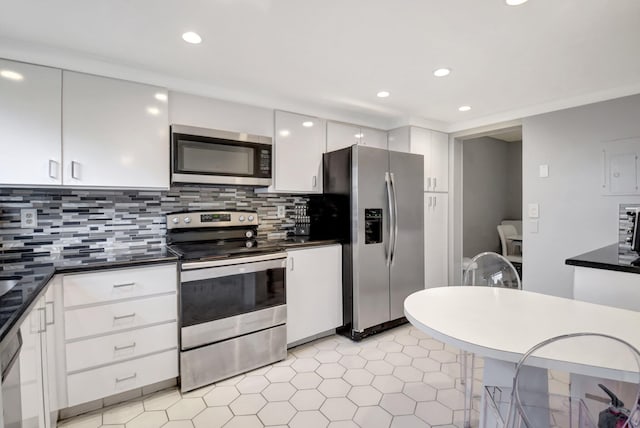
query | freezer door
[370, 271]
[407, 265]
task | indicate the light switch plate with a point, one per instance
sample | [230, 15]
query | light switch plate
[544, 171]
[533, 226]
[534, 211]
[28, 218]
[280, 211]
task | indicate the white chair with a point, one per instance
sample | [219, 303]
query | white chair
[540, 399]
[490, 270]
[505, 231]
[515, 223]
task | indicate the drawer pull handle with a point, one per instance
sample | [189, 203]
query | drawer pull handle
[126, 284]
[120, 317]
[122, 348]
[122, 379]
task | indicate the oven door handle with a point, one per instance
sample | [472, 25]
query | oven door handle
[232, 261]
[238, 269]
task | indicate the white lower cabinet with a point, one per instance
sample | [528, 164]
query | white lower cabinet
[436, 239]
[314, 291]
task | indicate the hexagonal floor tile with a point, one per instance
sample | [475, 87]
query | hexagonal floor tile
[122, 414]
[328, 356]
[379, 367]
[305, 351]
[186, 408]
[358, 377]
[280, 374]
[415, 351]
[252, 384]
[334, 388]
[353, 361]
[406, 339]
[365, 395]
[213, 417]
[343, 424]
[387, 384]
[434, 413]
[247, 404]
[231, 381]
[426, 364]
[431, 344]
[452, 369]
[398, 404]
[279, 391]
[161, 400]
[326, 344]
[303, 365]
[418, 334]
[309, 419]
[419, 391]
[390, 346]
[372, 354]
[331, 370]
[408, 421]
[276, 413]
[309, 399]
[306, 380]
[83, 421]
[251, 421]
[221, 396]
[408, 374]
[398, 359]
[259, 372]
[338, 409]
[443, 356]
[348, 349]
[438, 380]
[452, 398]
[372, 417]
[154, 419]
[172, 424]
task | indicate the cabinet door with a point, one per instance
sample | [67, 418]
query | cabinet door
[435, 239]
[115, 133]
[314, 291]
[373, 138]
[439, 161]
[421, 144]
[53, 352]
[30, 119]
[298, 152]
[31, 369]
[341, 135]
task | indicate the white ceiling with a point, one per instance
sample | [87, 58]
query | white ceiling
[335, 55]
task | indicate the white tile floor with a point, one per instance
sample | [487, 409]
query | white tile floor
[400, 379]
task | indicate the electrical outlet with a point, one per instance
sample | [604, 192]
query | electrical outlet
[280, 211]
[28, 218]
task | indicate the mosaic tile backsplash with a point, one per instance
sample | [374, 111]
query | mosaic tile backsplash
[74, 220]
[624, 226]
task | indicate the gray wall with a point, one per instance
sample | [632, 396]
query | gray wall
[574, 216]
[492, 191]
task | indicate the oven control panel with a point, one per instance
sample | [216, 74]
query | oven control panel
[202, 219]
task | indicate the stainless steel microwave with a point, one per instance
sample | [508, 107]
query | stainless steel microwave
[209, 156]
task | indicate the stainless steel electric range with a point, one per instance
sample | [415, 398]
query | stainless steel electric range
[232, 296]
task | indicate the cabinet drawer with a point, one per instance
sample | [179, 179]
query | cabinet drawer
[116, 378]
[105, 286]
[120, 346]
[119, 316]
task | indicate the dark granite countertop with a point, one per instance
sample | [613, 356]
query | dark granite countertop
[34, 269]
[611, 257]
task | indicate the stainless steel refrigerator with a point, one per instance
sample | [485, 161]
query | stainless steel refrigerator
[373, 199]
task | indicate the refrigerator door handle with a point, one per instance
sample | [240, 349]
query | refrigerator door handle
[395, 218]
[387, 181]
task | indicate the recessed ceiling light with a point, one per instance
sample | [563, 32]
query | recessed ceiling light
[515, 2]
[284, 133]
[464, 108]
[441, 72]
[191, 37]
[383, 94]
[307, 124]
[11, 75]
[153, 111]
[160, 96]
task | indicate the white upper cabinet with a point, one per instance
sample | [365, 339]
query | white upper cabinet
[299, 145]
[114, 133]
[341, 135]
[30, 119]
[433, 145]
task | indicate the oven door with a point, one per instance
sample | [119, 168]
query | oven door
[221, 302]
[219, 157]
